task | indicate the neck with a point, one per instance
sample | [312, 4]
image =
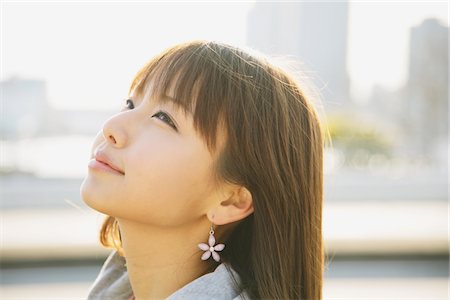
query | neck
[162, 260]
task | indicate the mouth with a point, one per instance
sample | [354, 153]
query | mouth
[102, 162]
[101, 166]
[110, 165]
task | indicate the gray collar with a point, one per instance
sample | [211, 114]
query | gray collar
[113, 283]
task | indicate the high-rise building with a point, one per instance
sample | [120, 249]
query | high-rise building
[425, 118]
[315, 34]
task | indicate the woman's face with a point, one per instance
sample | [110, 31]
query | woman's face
[167, 172]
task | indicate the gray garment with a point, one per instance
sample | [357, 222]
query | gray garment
[112, 283]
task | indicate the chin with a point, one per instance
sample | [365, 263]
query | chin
[91, 196]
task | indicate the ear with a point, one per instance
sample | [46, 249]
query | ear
[238, 206]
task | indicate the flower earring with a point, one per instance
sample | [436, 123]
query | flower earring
[211, 249]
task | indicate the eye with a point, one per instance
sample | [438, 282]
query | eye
[166, 118]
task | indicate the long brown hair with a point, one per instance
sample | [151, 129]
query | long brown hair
[274, 148]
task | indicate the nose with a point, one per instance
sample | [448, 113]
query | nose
[114, 131]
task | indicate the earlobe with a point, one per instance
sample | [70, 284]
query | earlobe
[237, 207]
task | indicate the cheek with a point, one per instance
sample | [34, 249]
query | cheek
[167, 185]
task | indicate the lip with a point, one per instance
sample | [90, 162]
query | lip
[103, 163]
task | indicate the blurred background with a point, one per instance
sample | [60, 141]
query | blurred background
[381, 75]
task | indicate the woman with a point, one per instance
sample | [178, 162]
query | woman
[211, 178]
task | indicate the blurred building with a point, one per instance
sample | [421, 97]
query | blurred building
[26, 113]
[425, 96]
[24, 107]
[314, 33]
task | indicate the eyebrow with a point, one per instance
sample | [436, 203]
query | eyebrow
[180, 106]
[171, 100]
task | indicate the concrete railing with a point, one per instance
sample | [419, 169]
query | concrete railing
[366, 227]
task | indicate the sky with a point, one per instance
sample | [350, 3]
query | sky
[89, 52]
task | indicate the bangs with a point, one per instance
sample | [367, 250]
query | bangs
[185, 74]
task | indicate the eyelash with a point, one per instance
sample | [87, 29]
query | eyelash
[169, 122]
